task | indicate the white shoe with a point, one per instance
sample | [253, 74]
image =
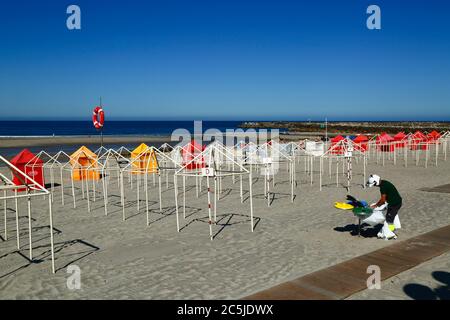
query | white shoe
[380, 235]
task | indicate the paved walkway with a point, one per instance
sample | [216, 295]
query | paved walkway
[347, 278]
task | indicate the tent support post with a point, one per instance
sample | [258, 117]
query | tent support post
[209, 208]
[105, 195]
[51, 234]
[184, 197]
[320, 173]
[5, 203]
[52, 183]
[30, 242]
[240, 189]
[122, 196]
[216, 195]
[251, 199]
[94, 198]
[138, 182]
[73, 192]
[146, 197]
[160, 197]
[17, 220]
[176, 200]
[337, 172]
[62, 187]
[87, 195]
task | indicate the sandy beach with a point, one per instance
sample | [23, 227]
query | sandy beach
[129, 260]
[15, 142]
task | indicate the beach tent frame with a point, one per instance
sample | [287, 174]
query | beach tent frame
[212, 158]
[350, 151]
[163, 163]
[33, 189]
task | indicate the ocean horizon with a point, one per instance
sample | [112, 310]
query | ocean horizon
[43, 128]
[49, 128]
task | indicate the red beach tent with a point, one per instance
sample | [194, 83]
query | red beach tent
[400, 139]
[419, 139]
[433, 136]
[385, 142]
[336, 139]
[336, 149]
[34, 170]
[189, 152]
[362, 142]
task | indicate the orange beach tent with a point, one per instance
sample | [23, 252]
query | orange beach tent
[84, 162]
[144, 158]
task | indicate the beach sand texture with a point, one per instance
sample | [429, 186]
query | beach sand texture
[135, 261]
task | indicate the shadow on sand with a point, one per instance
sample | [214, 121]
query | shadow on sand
[420, 292]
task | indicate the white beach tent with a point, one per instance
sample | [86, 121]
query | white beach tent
[49, 166]
[109, 163]
[212, 160]
[274, 159]
[343, 152]
[152, 162]
[100, 151]
[59, 162]
[165, 147]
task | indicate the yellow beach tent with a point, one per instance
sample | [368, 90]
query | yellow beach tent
[143, 158]
[81, 160]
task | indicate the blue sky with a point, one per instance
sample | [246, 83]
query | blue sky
[225, 60]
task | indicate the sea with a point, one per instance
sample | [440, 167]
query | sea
[122, 128]
[85, 128]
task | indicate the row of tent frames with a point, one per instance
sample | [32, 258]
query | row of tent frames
[418, 147]
[84, 167]
[267, 160]
[415, 147]
[339, 152]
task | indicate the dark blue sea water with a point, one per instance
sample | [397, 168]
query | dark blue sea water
[73, 128]
[85, 128]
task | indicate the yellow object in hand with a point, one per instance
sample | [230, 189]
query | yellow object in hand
[343, 206]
